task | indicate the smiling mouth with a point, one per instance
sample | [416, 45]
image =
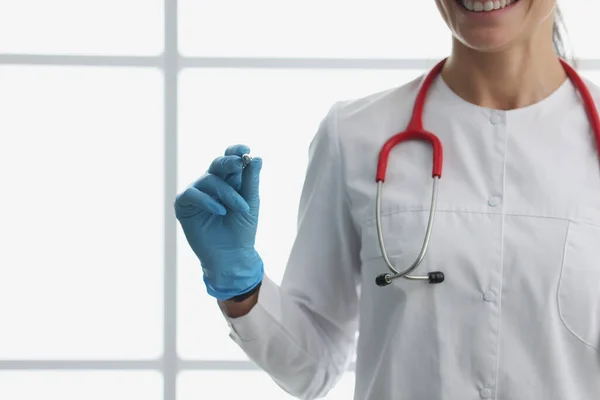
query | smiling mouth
[485, 5]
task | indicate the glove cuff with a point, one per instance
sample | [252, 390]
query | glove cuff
[229, 285]
[244, 296]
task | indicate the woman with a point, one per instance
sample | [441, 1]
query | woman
[516, 233]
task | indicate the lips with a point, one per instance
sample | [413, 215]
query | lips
[485, 5]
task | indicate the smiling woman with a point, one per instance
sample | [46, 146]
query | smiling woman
[500, 232]
[93, 274]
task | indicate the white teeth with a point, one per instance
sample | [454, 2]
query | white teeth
[486, 5]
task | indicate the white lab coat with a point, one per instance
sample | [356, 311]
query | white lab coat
[517, 233]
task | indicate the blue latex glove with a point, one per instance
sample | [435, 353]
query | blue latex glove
[219, 216]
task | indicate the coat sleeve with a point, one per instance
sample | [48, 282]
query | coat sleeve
[303, 332]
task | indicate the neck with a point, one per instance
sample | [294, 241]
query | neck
[513, 78]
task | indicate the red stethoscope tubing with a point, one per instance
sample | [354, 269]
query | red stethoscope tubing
[415, 131]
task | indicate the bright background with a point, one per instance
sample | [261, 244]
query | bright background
[108, 109]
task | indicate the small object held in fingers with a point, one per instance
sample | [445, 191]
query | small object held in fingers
[246, 159]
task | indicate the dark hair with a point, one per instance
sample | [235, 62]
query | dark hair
[557, 35]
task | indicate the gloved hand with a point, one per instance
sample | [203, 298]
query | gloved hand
[219, 216]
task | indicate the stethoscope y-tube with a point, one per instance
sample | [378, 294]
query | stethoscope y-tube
[414, 131]
[431, 277]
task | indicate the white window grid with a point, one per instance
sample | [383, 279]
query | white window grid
[170, 63]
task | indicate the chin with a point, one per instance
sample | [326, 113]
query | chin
[491, 41]
[495, 29]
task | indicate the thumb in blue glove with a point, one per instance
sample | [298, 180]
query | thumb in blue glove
[219, 217]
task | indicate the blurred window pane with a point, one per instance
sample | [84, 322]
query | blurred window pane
[583, 30]
[98, 27]
[82, 211]
[312, 28]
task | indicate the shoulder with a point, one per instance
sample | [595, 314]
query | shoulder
[394, 103]
[356, 128]
[355, 122]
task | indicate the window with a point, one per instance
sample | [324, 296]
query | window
[91, 27]
[109, 108]
[76, 385]
[77, 286]
[580, 27]
[312, 28]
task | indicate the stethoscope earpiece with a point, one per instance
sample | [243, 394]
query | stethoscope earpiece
[436, 277]
[383, 280]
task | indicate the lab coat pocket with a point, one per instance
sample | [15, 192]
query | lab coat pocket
[579, 283]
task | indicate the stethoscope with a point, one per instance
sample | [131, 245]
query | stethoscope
[415, 131]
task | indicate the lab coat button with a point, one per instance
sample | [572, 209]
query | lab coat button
[489, 296]
[496, 118]
[494, 201]
[485, 393]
